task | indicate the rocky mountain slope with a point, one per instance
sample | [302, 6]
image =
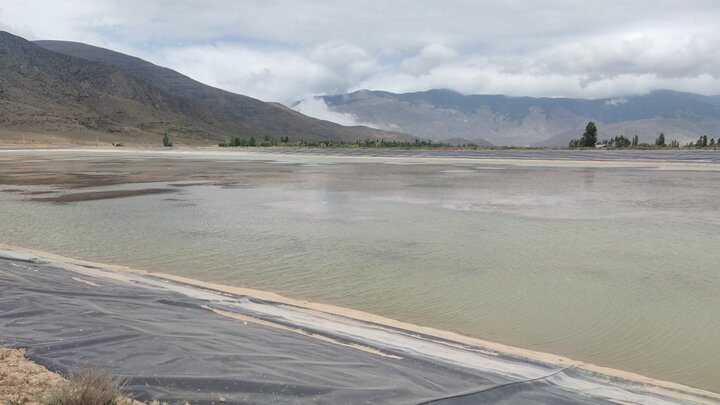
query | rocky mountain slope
[502, 120]
[77, 98]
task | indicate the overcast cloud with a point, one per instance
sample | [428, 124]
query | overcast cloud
[290, 50]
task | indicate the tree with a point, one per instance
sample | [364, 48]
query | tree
[589, 138]
[166, 140]
[621, 142]
[635, 140]
[660, 141]
[251, 142]
[236, 142]
[712, 142]
[704, 141]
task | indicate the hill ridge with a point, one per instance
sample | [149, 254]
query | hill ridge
[87, 92]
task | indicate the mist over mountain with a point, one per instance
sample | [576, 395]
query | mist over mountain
[69, 92]
[76, 92]
[501, 120]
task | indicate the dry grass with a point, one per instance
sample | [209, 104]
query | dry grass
[23, 382]
[89, 386]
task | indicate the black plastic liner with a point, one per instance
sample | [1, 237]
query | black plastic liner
[173, 349]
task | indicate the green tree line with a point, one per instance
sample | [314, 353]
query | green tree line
[589, 139]
[703, 142]
[365, 143]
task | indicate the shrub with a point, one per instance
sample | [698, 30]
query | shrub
[89, 386]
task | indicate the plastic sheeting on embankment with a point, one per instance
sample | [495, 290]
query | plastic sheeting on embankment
[173, 348]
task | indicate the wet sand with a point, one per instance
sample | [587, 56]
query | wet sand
[101, 195]
[58, 170]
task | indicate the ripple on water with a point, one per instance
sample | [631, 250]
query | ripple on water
[606, 266]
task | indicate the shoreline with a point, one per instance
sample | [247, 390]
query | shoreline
[630, 162]
[451, 339]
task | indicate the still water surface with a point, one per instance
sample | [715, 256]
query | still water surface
[611, 265]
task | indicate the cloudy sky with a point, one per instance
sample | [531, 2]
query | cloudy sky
[288, 50]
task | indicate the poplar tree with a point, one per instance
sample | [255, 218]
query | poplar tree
[589, 138]
[660, 141]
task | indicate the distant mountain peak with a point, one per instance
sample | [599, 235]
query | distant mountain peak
[443, 114]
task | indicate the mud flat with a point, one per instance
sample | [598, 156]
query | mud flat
[178, 339]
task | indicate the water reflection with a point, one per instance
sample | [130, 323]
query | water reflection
[614, 266]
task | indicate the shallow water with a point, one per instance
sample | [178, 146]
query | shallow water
[611, 265]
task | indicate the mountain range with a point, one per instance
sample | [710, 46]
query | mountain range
[67, 92]
[445, 115]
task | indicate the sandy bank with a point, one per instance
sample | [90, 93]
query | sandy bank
[705, 160]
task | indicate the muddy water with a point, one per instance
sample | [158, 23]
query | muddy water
[613, 265]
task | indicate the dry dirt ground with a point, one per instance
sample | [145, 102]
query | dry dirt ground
[23, 382]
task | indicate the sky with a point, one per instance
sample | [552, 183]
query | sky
[291, 50]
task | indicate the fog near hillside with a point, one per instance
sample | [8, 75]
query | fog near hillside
[317, 108]
[442, 115]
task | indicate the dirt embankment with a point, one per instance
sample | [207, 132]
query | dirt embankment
[23, 382]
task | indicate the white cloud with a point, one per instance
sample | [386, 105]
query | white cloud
[268, 74]
[285, 50]
[273, 73]
[429, 57]
[616, 101]
[316, 107]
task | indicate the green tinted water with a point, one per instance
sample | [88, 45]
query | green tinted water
[613, 266]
